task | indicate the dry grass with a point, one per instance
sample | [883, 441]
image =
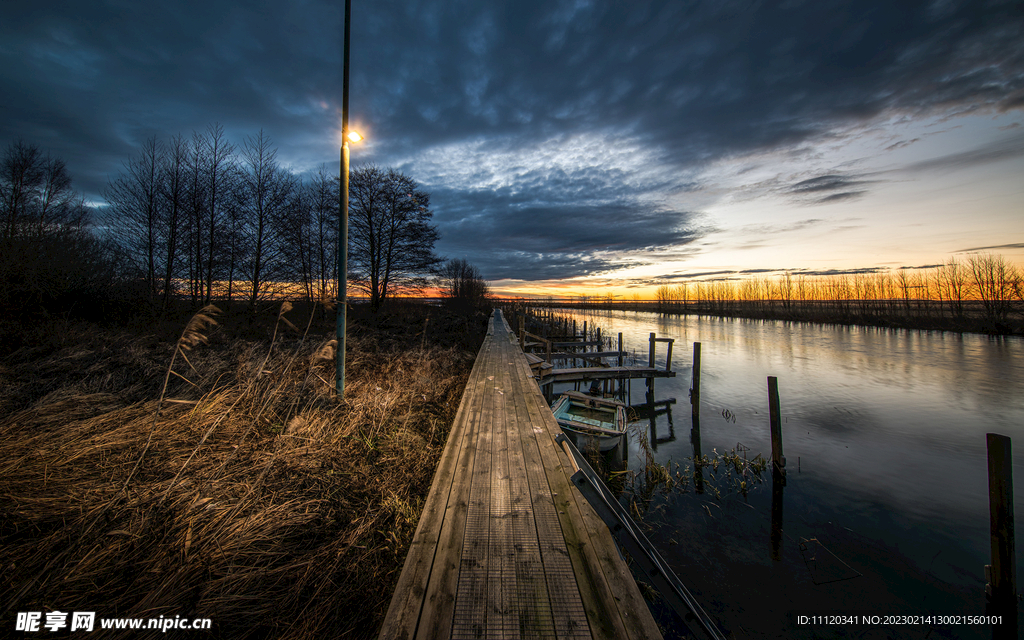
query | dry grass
[242, 491]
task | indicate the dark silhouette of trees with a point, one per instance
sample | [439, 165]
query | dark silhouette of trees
[35, 194]
[264, 195]
[48, 256]
[172, 193]
[216, 172]
[391, 239]
[133, 216]
[997, 283]
[322, 197]
[461, 283]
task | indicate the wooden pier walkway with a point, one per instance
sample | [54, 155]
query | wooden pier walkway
[506, 547]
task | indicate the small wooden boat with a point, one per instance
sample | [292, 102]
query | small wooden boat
[584, 418]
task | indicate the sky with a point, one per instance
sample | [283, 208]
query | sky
[576, 147]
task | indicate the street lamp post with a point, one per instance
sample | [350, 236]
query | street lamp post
[343, 215]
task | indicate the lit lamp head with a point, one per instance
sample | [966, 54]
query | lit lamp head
[353, 136]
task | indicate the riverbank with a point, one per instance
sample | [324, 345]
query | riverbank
[925, 315]
[248, 495]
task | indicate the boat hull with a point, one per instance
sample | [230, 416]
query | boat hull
[590, 421]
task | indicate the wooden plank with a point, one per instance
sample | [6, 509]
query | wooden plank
[584, 374]
[407, 602]
[532, 596]
[559, 355]
[469, 619]
[568, 606]
[596, 594]
[611, 585]
[439, 598]
[502, 621]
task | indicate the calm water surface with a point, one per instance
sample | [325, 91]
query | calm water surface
[885, 509]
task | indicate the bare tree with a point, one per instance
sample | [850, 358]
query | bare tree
[219, 169]
[172, 192]
[295, 237]
[953, 285]
[264, 192]
[133, 215]
[461, 282]
[36, 196]
[323, 196]
[391, 238]
[994, 280]
[21, 172]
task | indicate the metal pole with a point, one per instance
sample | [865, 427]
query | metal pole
[343, 215]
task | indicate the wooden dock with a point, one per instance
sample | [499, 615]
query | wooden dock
[506, 547]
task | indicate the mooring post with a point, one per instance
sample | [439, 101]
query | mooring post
[775, 417]
[585, 332]
[1001, 589]
[650, 362]
[695, 390]
[522, 333]
[620, 348]
[668, 356]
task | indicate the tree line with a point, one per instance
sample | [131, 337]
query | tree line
[977, 287]
[48, 255]
[200, 218]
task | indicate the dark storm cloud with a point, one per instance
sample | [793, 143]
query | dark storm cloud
[1015, 245]
[521, 236]
[816, 190]
[1003, 149]
[691, 82]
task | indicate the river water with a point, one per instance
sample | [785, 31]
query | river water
[885, 508]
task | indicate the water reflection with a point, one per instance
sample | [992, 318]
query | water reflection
[778, 486]
[889, 426]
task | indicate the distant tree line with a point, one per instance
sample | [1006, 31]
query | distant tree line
[978, 288]
[202, 219]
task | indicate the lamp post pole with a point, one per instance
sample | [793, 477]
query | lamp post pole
[343, 215]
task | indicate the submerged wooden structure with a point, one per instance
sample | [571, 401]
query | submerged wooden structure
[506, 547]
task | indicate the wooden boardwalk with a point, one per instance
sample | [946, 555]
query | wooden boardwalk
[506, 547]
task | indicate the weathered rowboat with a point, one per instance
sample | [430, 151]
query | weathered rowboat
[585, 418]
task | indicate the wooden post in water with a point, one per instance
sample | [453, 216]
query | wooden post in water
[1001, 589]
[775, 417]
[695, 391]
[650, 363]
[622, 382]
